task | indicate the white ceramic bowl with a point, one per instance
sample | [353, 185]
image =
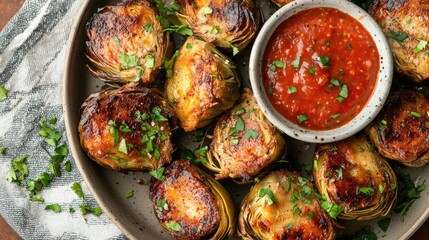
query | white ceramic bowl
[368, 112]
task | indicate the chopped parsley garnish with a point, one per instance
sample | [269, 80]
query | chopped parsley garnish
[130, 61]
[366, 190]
[270, 89]
[234, 48]
[291, 90]
[408, 193]
[68, 166]
[78, 190]
[339, 172]
[312, 71]
[158, 173]
[173, 225]
[420, 46]
[206, 10]
[380, 188]
[162, 204]
[3, 150]
[123, 146]
[364, 234]
[349, 46]
[344, 93]
[302, 118]
[215, 30]
[150, 61]
[310, 215]
[268, 195]
[157, 116]
[289, 226]
[384, 224]
[18, 170]
[332, 209]
[180, 29]
[114, 131]
[234, 142]
[250, 133]
[399, 37]
[240, 111]
[168, 65]
[334, 82]
[296, 62]
[415, 114]
[277, 64]
[148, 27]
[129, 193]
[324, 60]
[56, 208]
[296, 210]
[201, 154]
[188, 45]
[85, 209]
[52, 136]
[72, 210]
[333, 116]
[124, 128]
[116, 40]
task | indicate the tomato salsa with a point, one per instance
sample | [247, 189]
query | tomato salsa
[319, 68]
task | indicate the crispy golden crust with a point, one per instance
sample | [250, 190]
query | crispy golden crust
[293, 215]
[193, 200]
[202, 86]
[118, 31]
[350, 174]
[236, 21]
[401, 131]
[107, 112]
[244, 153]
[410, 17]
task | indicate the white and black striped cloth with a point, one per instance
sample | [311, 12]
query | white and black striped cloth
[32, 49]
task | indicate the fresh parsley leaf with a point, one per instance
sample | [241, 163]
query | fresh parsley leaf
[148, 27]
[291, 90]
[420, 46]
[332, 209]
[399, 37]
[158, 173]
[234, 48]
[78, 190]
[128, 61]
[408, 193]
[277, 64]
[173, 225]
[364, 234]
[333, 116]
[56, 208]
[296, 62]
[215, 30]
[129, 193]
[162, 204]
[270, 89]
[150, 61]
[366, 190]
[206, 10]
[3, 93]
[384, 224]
[250, 133]
[117, 40]
[312, 71]
[68, 166]
[302, 118]
[55, 168]
[168, 65]
[188, 45]
[325, 61]
[201, 155]
[239, 125]
[85, 209]
[157, 116]
[180, 29]
[62, 150]
[3, 150]
[268, 194]
[415, 114]
[123, 146]
[72, 210]
[52, 136]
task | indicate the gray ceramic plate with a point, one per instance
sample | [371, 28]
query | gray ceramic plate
[134, 216]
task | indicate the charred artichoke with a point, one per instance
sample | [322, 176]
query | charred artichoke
[126, 43]
[401, 130]
[202, 84]
[244, 142]
[127, 128]
[354, 177]
[190, 204]
[406, 25]
[227, 23]
[283, 205]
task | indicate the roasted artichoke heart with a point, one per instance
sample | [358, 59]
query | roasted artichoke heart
[406, 24]
[202, 84]
[283, 205]
[126, 43]
[127, 128]
[244, 142]
[225, 23]
[353, 176]
[189, 204]
[401, 130]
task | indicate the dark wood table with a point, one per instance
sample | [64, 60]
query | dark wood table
[9, 8]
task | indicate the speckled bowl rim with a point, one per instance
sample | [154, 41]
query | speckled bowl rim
[377, 99]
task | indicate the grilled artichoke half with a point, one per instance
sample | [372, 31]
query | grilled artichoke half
[353, 176]
[405, 23]
[189, 204]
[126, 43]
[203, 84]
[226, 23]
[127, 128]
[244, 142]
[401, 130]
[283, 205]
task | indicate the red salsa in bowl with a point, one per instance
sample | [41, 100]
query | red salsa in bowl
[320, 68]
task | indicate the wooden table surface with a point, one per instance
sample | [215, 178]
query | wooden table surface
[9, 8]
